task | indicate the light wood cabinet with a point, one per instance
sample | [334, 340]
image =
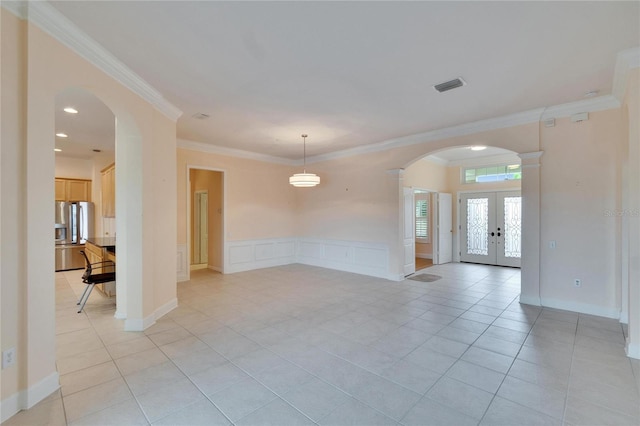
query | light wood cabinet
[109, 191]
[73, 189]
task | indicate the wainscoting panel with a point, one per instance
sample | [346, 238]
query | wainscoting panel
[255, 254]
[351, 256]
[182, 266]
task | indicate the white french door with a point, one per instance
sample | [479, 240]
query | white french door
[491, 225]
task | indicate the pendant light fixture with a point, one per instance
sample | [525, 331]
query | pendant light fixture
[304, 179]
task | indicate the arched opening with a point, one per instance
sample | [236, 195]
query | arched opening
[457, 179]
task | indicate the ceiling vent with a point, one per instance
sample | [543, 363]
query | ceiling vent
[200, 116]
[450, 85]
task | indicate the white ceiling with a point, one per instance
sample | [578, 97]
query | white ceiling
[355, 73]
[93, 127]
[457, 156]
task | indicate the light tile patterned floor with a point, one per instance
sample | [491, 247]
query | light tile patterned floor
[304, 345]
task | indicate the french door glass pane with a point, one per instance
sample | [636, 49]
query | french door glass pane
[478, 226]
[512, 226]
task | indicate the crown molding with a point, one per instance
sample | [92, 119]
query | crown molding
[625, 62]
[17, 7]
[216, 149]
[600, 103]
[54, 23]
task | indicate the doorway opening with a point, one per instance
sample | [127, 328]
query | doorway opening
[206, 219]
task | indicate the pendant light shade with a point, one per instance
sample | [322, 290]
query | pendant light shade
[304, 179]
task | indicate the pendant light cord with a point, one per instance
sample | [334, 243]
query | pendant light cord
[304, 155]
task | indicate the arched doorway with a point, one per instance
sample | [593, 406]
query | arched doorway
[530, 190]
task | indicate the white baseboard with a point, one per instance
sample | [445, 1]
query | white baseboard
[119, 315]
[182, 266]
[583, 308]
[424, 256]
[27, 398]
[527, 300]
[215, 268]
[137, 324]
[633, 351]
[624, 317]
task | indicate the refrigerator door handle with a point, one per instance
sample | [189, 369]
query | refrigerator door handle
[80, 224]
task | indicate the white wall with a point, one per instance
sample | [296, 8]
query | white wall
[75, 168]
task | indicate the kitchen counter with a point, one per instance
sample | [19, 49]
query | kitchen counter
[99, 250]
[108, 243]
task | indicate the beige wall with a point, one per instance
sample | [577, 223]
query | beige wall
[13, 292]
[210, 181]
[35, 68]
[76, 168]
[580, 181]
[259, 202]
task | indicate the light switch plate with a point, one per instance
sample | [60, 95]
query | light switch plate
[8, 357]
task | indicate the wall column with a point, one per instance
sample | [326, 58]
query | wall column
[530, 285]
[632, 216]
[396, 251]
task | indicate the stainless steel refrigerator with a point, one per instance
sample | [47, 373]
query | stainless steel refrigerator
[74, 225]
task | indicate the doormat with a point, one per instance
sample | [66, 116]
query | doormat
[425, 278]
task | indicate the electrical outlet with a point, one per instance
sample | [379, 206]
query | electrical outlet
[577, 282]
[552, 244]
[8, 358]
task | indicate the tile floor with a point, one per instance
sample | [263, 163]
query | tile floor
[304, 345]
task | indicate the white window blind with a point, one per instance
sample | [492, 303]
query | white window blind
[422, 216]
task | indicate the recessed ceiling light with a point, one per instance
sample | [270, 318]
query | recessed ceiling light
[57, 149]
[62, 135]
[70, 110]
[478, 148]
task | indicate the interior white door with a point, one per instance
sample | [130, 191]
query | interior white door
[409, 229]
[444, 227]
[204, 227]
[491, 225]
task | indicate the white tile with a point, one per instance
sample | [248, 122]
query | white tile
[428, 412]
[283, 377]
[168, 399]
[540, 375]
[156, 376]
[581, 412]
[355, 413]
[242, 398]
[431, 360]
[96, 398]
[411, 376]
[124, 413]
[316, 398]
[492, 360]
[215, 379]
[200, 413]
[461, 397]
[257, 361]
[50, 413]
[445, 346]
[390, 399]
[196, 362]
[140, 360]
[475, 375]
[544, 399]
[503, 412]
[275, 413]
[88, 377]
[130, 347]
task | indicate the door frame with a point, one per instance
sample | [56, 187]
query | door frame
[224, 214]
[198, 214]
[457, 250]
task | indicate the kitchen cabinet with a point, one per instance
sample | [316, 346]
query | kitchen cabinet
[73, 189]
[109, 191]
